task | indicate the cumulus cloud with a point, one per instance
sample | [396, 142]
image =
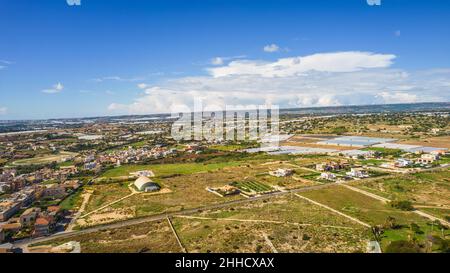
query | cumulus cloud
[57, 88]
[294, 66]
[271, 48]
[223, 60]
[398, 97]
[329, 79]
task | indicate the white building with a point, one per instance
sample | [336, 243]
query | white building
[328, 176]
[144, 184]
[358, 173]
[282, 172]
[428, 158]
[401, 163]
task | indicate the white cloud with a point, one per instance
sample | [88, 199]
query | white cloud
[330, 79]
[57, 88]
[294, 66]
[3, 110]
[142, 86]
[4, 64]
[117, 78]
[398, 97]
[271, 48]
[222, 60]
[217, 61]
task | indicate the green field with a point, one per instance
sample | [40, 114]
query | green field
[375, 213]
[46, 159]
[443, 213]
[169, 169]
[72, 202]
[429, 188]
[231, 147]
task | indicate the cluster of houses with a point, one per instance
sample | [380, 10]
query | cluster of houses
[34, 221]
[328, 171]
[43, 221]
[332, 166]
[14, 202]
[128, 156]
[11, 182]
[354, 173]
[424, 159]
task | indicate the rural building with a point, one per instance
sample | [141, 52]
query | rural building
[356, 154]
[282, 172]
[55, 191]
[7, 210]
[13, 227]
[225, 190]
[401, 163]
[6, 248]
[428, 158]
[358, 173]
[328, 176]
[145, 173]
[42, 227]
[29, 216]
[331, 166]
[144, 184]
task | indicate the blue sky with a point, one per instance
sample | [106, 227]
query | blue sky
[109, 57]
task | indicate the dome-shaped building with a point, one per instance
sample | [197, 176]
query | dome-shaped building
[144, 184]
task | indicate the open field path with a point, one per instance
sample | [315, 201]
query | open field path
[176, 235]
[385, 200]
[259, 221]
[269, 243]
[109, 204]
[86, 197]
[151, 218]
[333, 210]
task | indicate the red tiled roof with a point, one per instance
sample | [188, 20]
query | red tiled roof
[53, 208]
[42, 221]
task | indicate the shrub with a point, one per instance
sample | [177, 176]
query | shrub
[402, 205]
[402, 247]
